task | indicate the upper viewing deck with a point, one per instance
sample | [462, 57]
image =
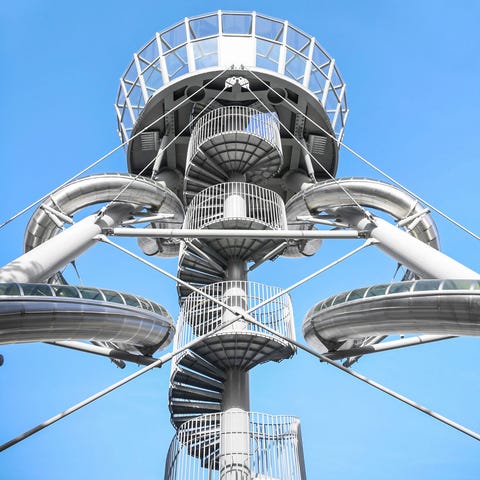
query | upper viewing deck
[237, 40]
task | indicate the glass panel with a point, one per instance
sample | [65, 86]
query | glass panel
[317, 308]
[422, 285]
[268, 28]
[356, 294]
[131, 74]
[9, 289]
[136, 96]
[319, 57]
[475, 285]
[113, 296]
[65, 291]
[174, 37]
[295, 66]
[37, 290]
[153, 76]
[237, 24]
[177, 63]
[268, 54]
[150, 52]
[332, 100]
[204, 27]
[340, 298]
[317, 81]
[400, 287]
[328, 302]
[127, 121]
[145, 304]
[336, 78]
[377, 290]
[297, 40]
[157, 308]
[121, 99]
[143, 64]
[206, 53]
[91, 293]
[457, 284]
[131, 300]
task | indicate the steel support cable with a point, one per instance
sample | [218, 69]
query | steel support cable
[369, 381]
[108, 154]
[371, 165]
[231, 309]
[247, 317]
[129, 184]
[157, 363]
[305, 149]
[167, 357]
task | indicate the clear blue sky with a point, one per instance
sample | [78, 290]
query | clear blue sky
[412, 71]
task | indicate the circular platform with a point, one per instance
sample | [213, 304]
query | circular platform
[230, 141]
[188, 69]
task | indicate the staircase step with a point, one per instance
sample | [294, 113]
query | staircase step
[191, 260]
[194, 362]
[195, 276]
[197, 407]
[184, 392]
[190, 377]
[205, 170]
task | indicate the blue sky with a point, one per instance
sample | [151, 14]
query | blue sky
[412, 71]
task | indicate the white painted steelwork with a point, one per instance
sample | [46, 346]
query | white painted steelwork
[189, 104]
[332, 194]
[275, 449]
[200, 315]
[263, 208]
[233, 143]
[44, 261]
[220, 40]
[98, 189]
[235, 119]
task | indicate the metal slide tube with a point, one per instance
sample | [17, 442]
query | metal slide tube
[42, 262]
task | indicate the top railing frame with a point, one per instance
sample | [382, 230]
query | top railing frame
[192, 45]
[71, 292]
[410, 288]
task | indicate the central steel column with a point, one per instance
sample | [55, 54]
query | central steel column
[235, 424]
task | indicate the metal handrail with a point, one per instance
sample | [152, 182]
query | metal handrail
[200, 315]
[235, 119]
[423, 285]
[259, 204]
[274, 448]
[87, 293]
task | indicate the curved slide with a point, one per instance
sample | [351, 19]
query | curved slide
[42, 312]
[101, 188]
[45, 313]
[368, 193]
[443, 307]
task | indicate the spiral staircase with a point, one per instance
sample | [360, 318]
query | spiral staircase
[230, 149]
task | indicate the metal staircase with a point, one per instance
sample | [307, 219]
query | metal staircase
[230, 150]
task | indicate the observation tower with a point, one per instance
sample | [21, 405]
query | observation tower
[232, 124]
